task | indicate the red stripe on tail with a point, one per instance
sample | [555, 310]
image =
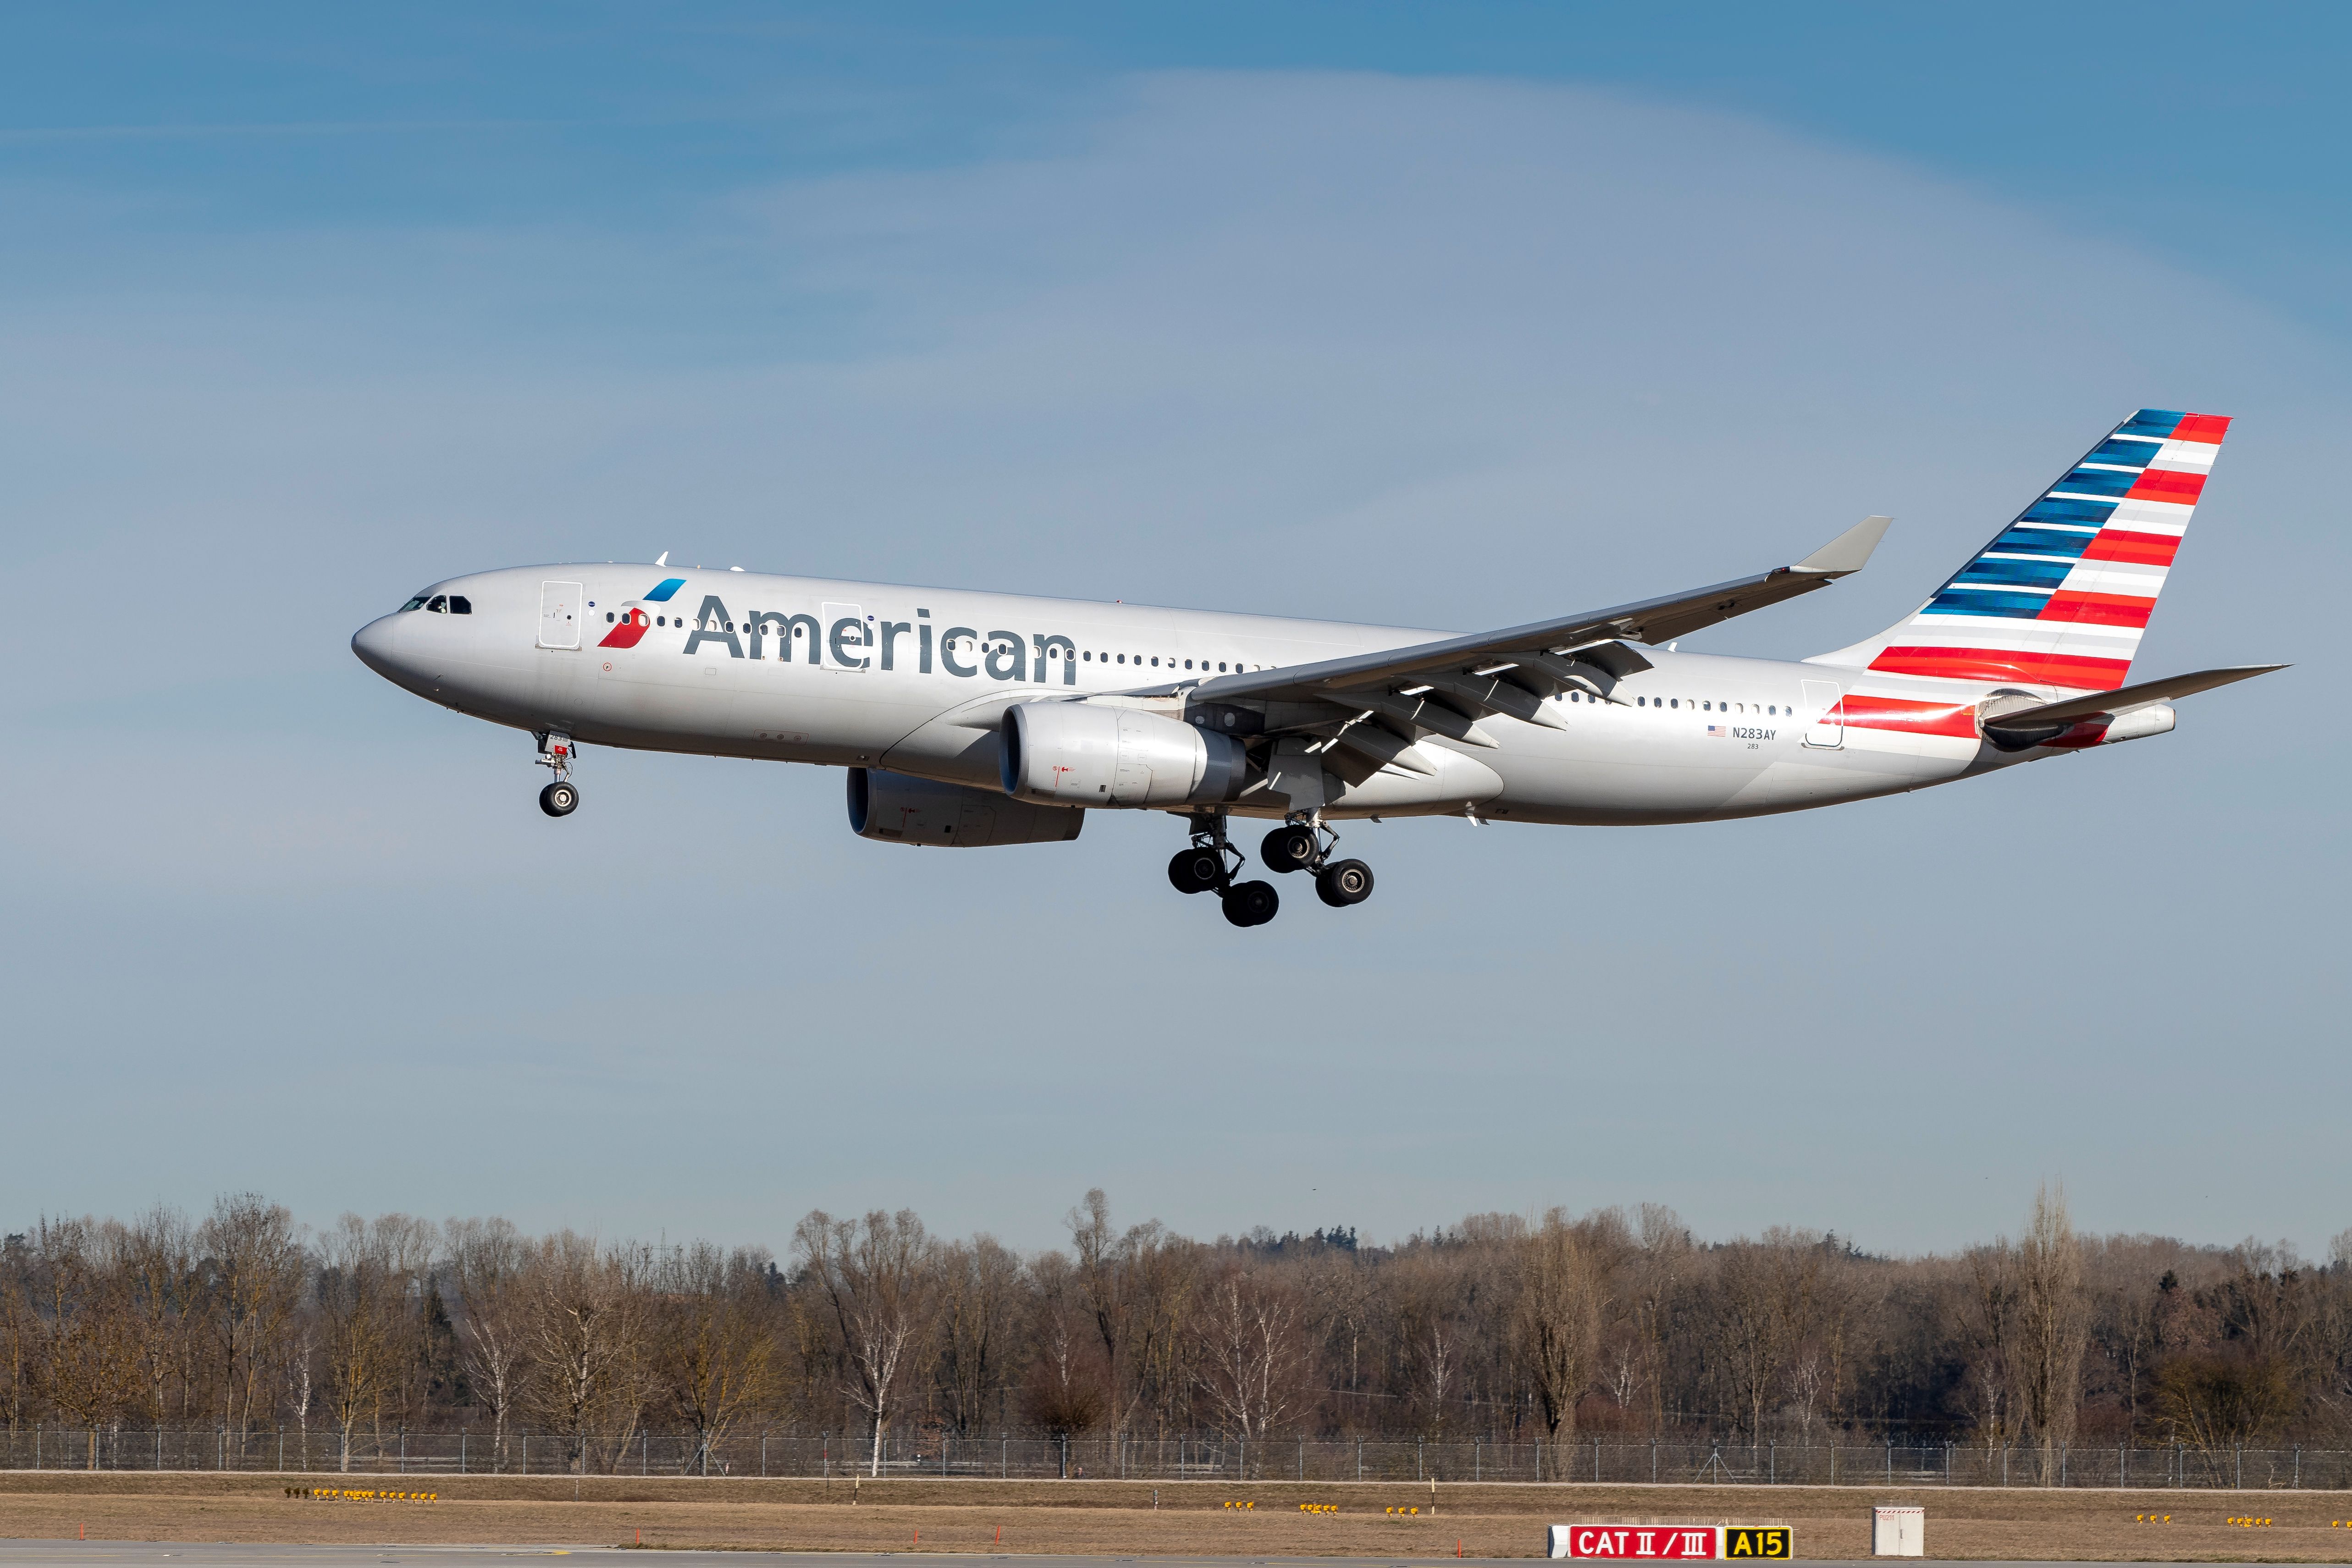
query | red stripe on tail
[2138, 549]
[2174, 485]
[2097, 609]
[2071, 671]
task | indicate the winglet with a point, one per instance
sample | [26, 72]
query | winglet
[1849, 551]
[665, 559]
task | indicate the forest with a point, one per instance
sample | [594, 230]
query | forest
[1550, 1330]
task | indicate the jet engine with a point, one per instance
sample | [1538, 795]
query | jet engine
[1083, 753]
[897, 808]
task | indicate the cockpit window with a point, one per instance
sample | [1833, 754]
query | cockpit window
[439, 604]
[416, 603]
[460, 606]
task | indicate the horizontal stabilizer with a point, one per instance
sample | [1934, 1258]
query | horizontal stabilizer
[2075, 709]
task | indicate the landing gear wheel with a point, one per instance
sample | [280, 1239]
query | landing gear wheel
[1251, 903]
[559, 799]
[1289, 848]
[1344, 882]
[1197, 869]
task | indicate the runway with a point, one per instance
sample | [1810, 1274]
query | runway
[225, 1554]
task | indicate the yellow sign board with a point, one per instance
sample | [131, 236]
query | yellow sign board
[1759, 1540]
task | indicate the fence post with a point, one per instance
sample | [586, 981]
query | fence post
[1302, 1459]
[1890, 1461]
[763, 1456]
[1654, 1462]
[1007, 1456]
[1771, 1463]
[461, 1453]
[2298, 1465]
[1359, 1458]
[2238, 1451]
[1477, 1458]
[1416, 1458]
[158, 1447]
[221, 1460]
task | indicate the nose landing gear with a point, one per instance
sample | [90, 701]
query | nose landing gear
[560, 797]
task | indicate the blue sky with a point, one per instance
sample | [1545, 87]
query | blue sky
[1487, 311]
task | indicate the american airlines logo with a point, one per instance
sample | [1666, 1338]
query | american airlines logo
[843, 638]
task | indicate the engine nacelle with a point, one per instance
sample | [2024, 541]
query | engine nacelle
[1084, 753]
[897, 808]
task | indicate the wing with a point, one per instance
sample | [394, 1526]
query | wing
[1512, 670]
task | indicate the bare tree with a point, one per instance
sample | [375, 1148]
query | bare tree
[2053, 1326]
[85, 1357]
[359, 1323]
[1065, 1393]
[979, 1307]
[876, 1277]
[255, 1255]
[488, 1259]
[714, 1350]
[1253, 1346]
[1564, 1273]
[586, 1331]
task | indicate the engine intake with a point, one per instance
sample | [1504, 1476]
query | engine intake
[1082, 754]
[899, 808]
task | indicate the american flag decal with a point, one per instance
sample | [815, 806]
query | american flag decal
[1720, 731]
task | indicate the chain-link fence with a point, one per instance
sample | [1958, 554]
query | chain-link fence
[1883, 1464]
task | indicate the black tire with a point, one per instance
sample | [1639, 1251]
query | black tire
[559, 799]
[1196, 870]
[1288, 848]
[1344, 882]
[1251, 903]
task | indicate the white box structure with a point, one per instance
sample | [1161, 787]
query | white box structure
[1898, 1532]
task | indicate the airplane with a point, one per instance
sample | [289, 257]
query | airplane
[971, 719]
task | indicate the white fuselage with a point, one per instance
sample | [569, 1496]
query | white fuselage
[916, 680]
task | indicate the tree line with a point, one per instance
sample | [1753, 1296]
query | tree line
[1503, 1327]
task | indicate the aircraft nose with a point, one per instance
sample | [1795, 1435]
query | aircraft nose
[375, 645]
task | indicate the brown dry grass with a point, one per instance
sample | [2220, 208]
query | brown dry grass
[1118, 1518]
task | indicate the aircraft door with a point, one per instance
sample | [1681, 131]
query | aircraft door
[1826, 710]
[847, 635]
[559, 615]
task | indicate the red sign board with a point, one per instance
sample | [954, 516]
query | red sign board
[1637, 1541]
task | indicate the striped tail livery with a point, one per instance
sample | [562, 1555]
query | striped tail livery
[2059, 598]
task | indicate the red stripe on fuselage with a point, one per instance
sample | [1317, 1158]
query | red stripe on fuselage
[1955, 719]
[2071, 671]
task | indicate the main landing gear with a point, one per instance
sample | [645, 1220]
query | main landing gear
[1210, 864]
[1306, 846]
[560, 797]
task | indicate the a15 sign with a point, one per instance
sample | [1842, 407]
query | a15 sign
[1658, 1542]
[1759, 1540]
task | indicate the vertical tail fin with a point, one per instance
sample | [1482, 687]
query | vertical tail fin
[2061, 598]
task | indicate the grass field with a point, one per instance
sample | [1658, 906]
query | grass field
[1120, 1517]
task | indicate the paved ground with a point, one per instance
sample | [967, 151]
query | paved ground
[224, 1554]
